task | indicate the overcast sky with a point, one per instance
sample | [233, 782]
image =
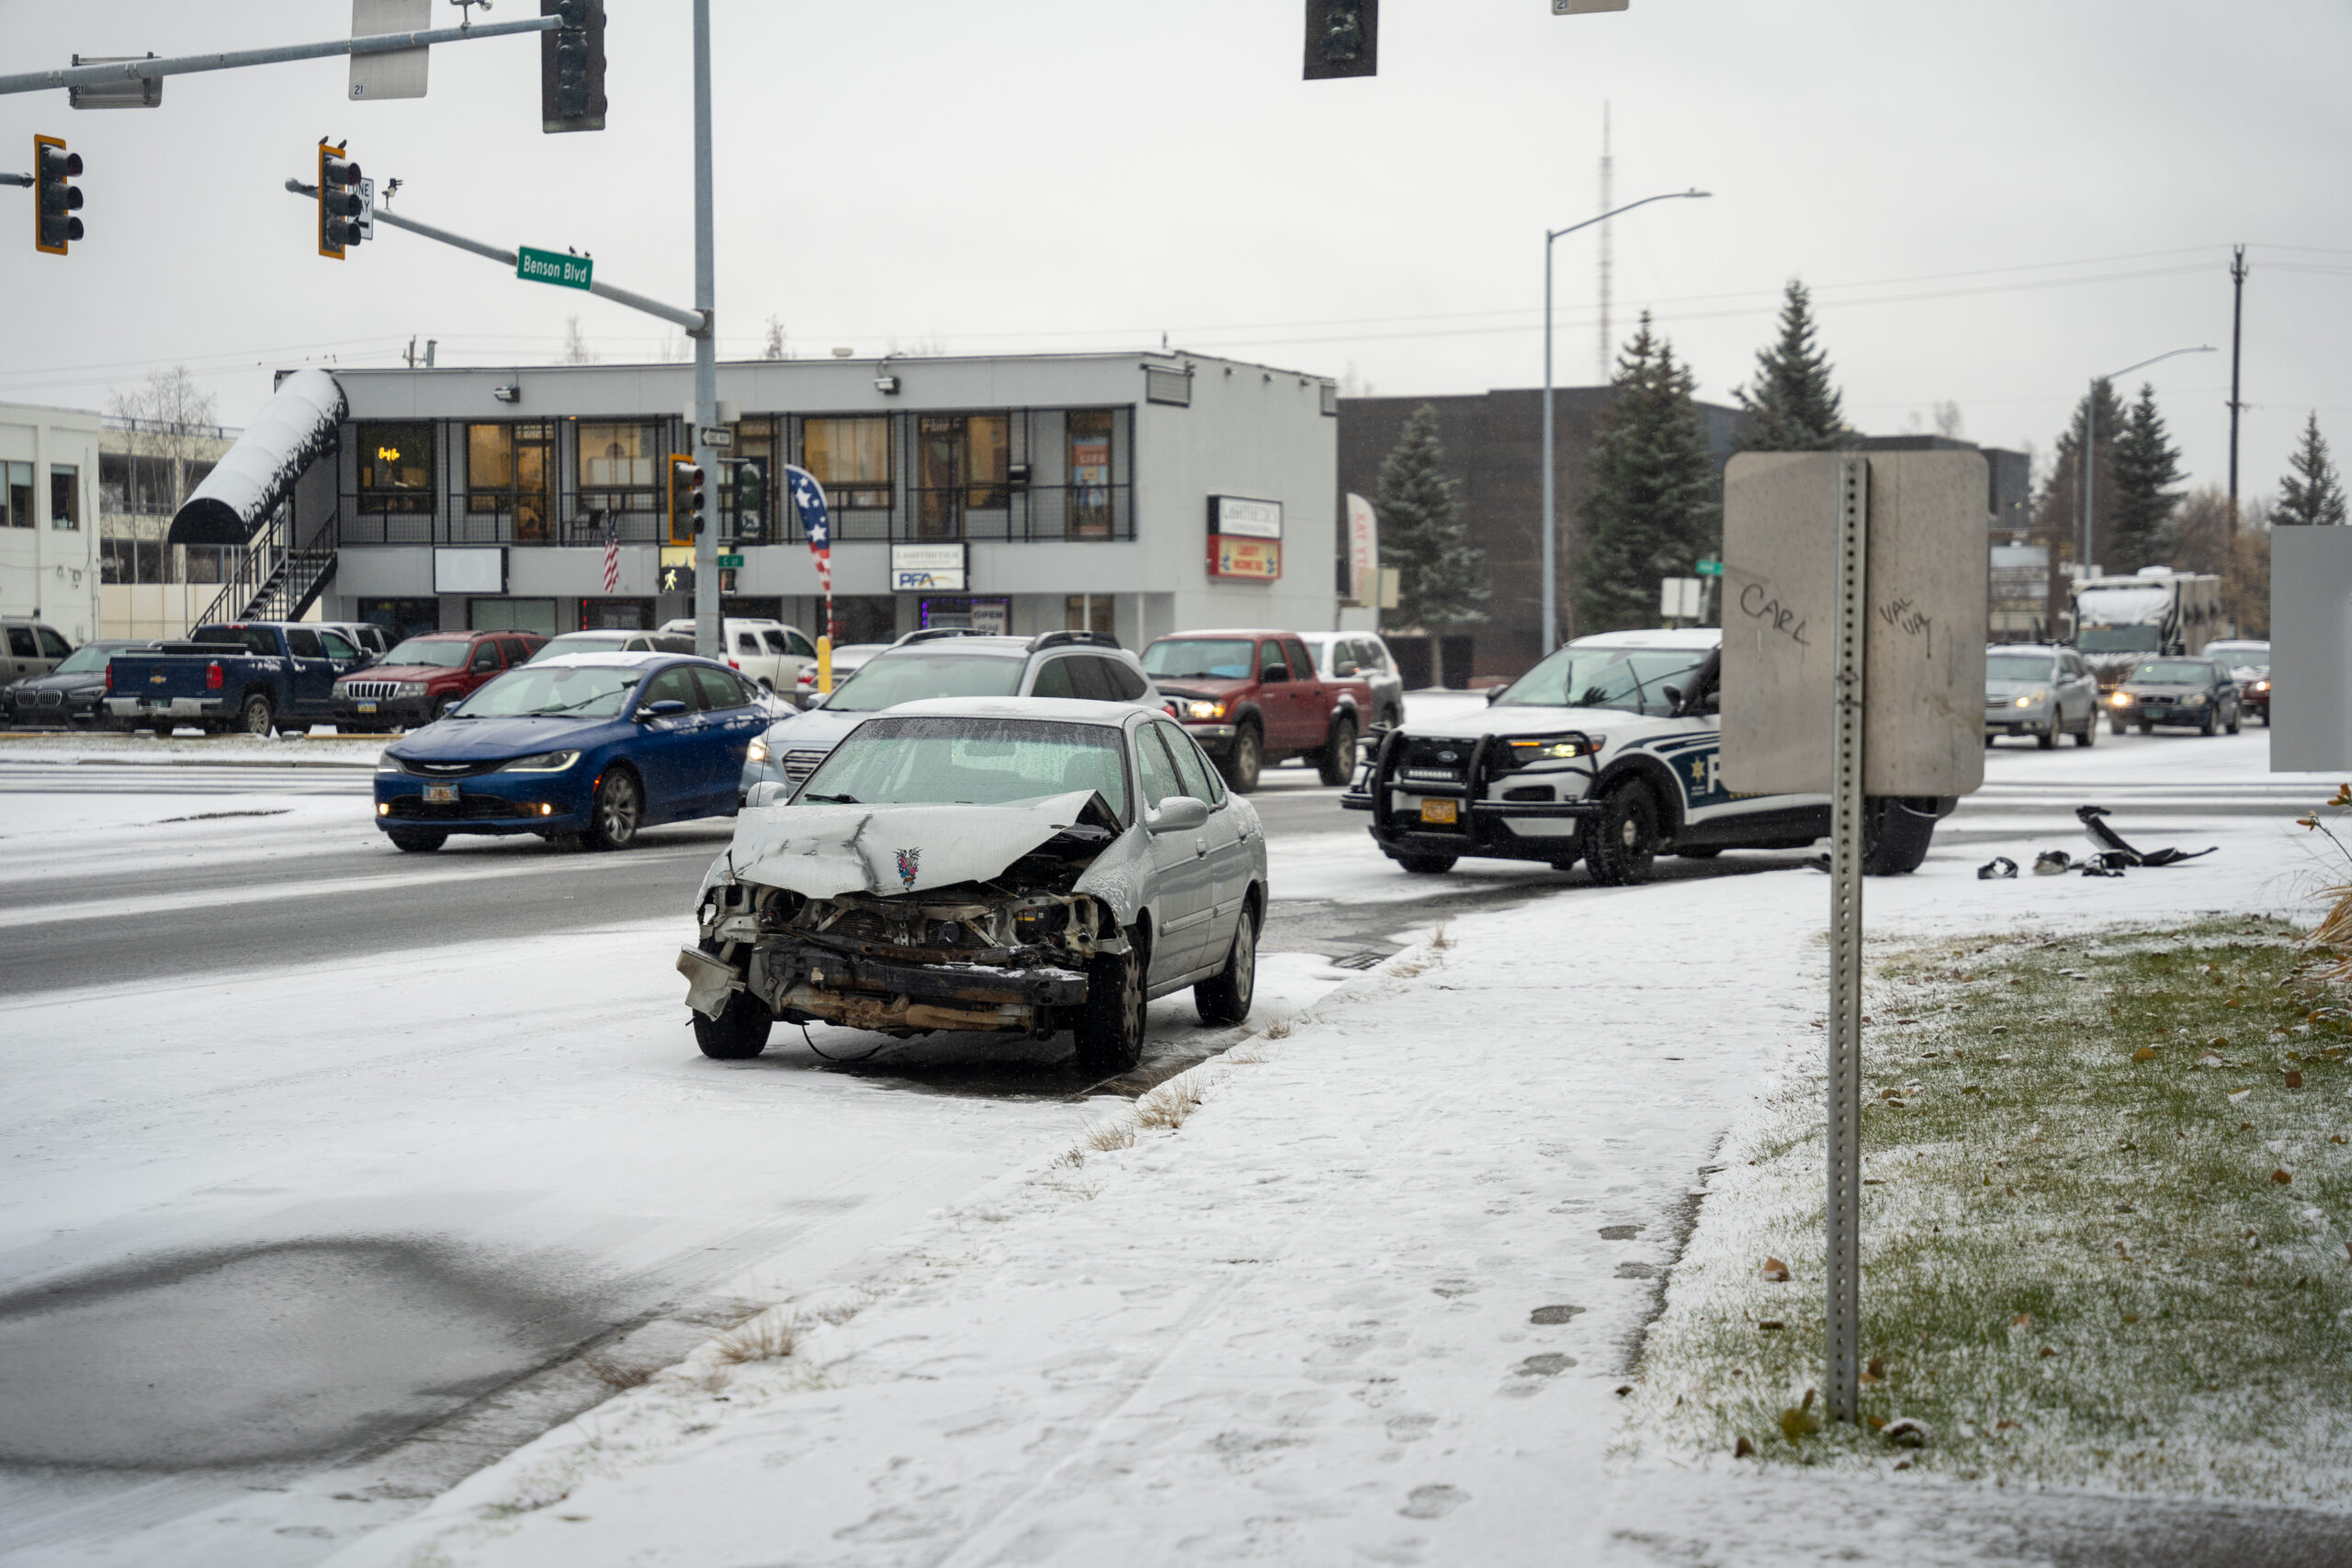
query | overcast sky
[1993, 202]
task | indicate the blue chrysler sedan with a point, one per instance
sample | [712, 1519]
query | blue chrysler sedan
[582, 748]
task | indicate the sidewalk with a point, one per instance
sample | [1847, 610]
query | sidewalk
[1373, 1302]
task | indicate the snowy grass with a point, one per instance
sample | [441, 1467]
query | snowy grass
[2104, 1233]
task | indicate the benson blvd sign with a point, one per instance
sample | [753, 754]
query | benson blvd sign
[559, 267]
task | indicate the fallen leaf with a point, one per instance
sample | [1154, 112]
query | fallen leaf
[2022, 1320]
[2294, 1079]
[2237, 1097]
[2210, 1060]
[2144, 1054]
[2282, 1177]
[2003, 1425]
[1742, 1448]
[1877, 1422]
[1775, 1269]
[2047, 1350]
[1877, 1367]
[1771, 1323]
[1906, 1433]
[1798, 1421]
[2131, 1317]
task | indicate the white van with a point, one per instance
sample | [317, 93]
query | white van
[767, 652]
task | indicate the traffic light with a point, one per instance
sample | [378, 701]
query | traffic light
[1342, 38]
[55, 201]
[571, 66]
[751, 500]
[686, 500]
[339, 203]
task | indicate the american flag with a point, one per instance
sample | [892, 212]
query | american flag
[612, 558]
[818, 525]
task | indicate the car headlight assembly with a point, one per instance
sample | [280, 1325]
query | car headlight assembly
[543, 763]
[2262, 685]
[2122, 699]
[1204, 710]
[408, 688]
[2197, 699]
[388, 764]
[757, 755]
[2034, 698]
[1525, 750]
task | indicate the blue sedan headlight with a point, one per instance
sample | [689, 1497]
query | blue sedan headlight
[543, 763]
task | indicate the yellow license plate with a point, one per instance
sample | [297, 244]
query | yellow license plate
[1444, 812]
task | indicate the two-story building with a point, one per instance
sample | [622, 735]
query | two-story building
[49, 518]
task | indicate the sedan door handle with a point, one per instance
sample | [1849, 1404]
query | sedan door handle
[1200, 846]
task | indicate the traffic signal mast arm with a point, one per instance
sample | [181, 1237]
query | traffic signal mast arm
[382, 43]
[692, 322]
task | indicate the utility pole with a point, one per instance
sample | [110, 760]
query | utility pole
[2237, 339]
[1608, 199]
[707, 639]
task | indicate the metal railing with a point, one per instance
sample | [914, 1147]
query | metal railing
[1035, 514]
[274, 578]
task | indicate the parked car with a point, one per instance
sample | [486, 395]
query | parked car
[1087, 666]
[28, 648]
[1362, 656]
[2196, 692]
[1019, 865]
[1253, 697]
[70, 694]
[846, 660]
[248, 675]
[2248, 662]
[588, 747]
[614, 640]
[769, 652]
[1606, 751]
[372, 641]
[2040, 690]
[424, 674]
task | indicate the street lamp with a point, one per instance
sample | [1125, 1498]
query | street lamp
[1551, 526]
[2090, 438]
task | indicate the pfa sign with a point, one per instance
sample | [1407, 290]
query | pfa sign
[1923, 616]
[928, 568]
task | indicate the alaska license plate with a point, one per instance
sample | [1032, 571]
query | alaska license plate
[1444, 813]
[367, 707]
[440, 795]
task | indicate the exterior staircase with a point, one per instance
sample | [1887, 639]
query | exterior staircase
[276, 577]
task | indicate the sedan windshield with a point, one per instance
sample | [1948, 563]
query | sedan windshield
[911, 677]
[1634, 679]
[572, 691]
[2175, 672]
[441, 653]
[1221, 658]
[2020, 667]
[969, 762]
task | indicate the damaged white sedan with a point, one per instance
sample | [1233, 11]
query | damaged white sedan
[1016, 867]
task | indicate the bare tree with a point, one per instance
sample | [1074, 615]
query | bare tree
[2202, 539]
[1947, 420]
[778, 345]
[674, 346]
[575, 347]
[168, 417]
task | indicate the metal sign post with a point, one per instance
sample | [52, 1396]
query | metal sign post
[1843, 1274]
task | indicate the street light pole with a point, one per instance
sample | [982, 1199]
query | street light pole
[2090, 439]
[707, 639]
[1551, 520]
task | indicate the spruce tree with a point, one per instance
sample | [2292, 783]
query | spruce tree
[1650, 508]
[1441, 577]
[2147, 464]
[2058, 516]
[1793, 405]
[2311, 493]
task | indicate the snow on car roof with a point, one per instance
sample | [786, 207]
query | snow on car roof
[616, 657]
[1066, 710]
[1227, 631]
[1657, 637]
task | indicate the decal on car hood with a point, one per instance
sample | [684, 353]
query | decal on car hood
[823, 851]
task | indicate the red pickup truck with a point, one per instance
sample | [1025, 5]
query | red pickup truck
[1253, 697]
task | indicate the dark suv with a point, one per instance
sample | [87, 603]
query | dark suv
[424, 674]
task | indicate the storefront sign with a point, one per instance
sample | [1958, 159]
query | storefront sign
[924, 569]
[1363, 552]
[1261, 560]
[1240, 517]
[473, 571]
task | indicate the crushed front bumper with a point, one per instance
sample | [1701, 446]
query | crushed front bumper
[803, 983]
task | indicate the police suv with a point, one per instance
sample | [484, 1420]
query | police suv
[1606, 752]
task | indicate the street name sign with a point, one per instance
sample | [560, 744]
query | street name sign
[559, 267]
[1708, 567]
[731, 563]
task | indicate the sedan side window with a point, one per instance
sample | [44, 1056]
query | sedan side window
[1160, 779]
[720, 690]
[673, 685]
[1190, 765]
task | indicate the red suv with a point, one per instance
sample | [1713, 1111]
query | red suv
[424, 674]
[1253, 697]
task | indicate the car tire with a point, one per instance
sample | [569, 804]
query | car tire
[1989, 738]
[1620, 843]
[740, 1032]
[1109, 1029]
[1337, 761]
[1895, 838]
[417, 841]
[2233, 726]
[2047, 738]
[2089, 734]
[258, 714]
[2117, 726]
[1393, 717]
[1431, 865]
[617, 812]
[1225, 1001]
[2147, 726]
[2206, 724]
[1241, 765]
[1699, 851]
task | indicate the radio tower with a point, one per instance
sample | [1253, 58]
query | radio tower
[1607, 347]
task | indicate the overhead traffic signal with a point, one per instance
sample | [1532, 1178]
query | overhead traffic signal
[55, 201]
[751, 500]
[686, 500]
[339, 203]
[1342, 38]
[571, 66]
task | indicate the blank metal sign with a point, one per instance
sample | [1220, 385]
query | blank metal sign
[1924, 654]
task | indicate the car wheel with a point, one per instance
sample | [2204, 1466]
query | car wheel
[1392, 717]
[1989, 738]
[1895, 838]
[2206, 725]
[2089, 734]
[617, 813]
[2117, 726]
[1109, 1030]
[740, 1032]
[1430, 865]
[1699, 851]
[1225, 999]
[258, 714]
[1338, 758]
[2147, 726]
[417, 841]
[2047, 738]
[2232, 725]
[1620, 843]
[1241, 765]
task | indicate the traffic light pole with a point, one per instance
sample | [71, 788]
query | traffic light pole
[116, 72]
[706, 627]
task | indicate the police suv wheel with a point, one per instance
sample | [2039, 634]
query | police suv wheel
[1620, 843]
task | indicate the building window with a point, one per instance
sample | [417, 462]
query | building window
[620, 467]
[616, 614]
[961, 464]
[850, 458]
[396, 468]
[507, 468]
[64, 496]
[1091, 476]
[20, 509]
[511, 615]
[1087, 613]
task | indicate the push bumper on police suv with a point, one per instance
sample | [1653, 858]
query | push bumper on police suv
[1515, 796]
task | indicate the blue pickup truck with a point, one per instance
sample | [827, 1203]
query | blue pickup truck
[248, 675]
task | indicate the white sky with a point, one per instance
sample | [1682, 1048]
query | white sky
[1994, 202]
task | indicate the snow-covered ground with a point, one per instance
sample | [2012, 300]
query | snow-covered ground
[1376, 1298]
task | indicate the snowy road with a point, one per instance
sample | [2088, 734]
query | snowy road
[324, 1159]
